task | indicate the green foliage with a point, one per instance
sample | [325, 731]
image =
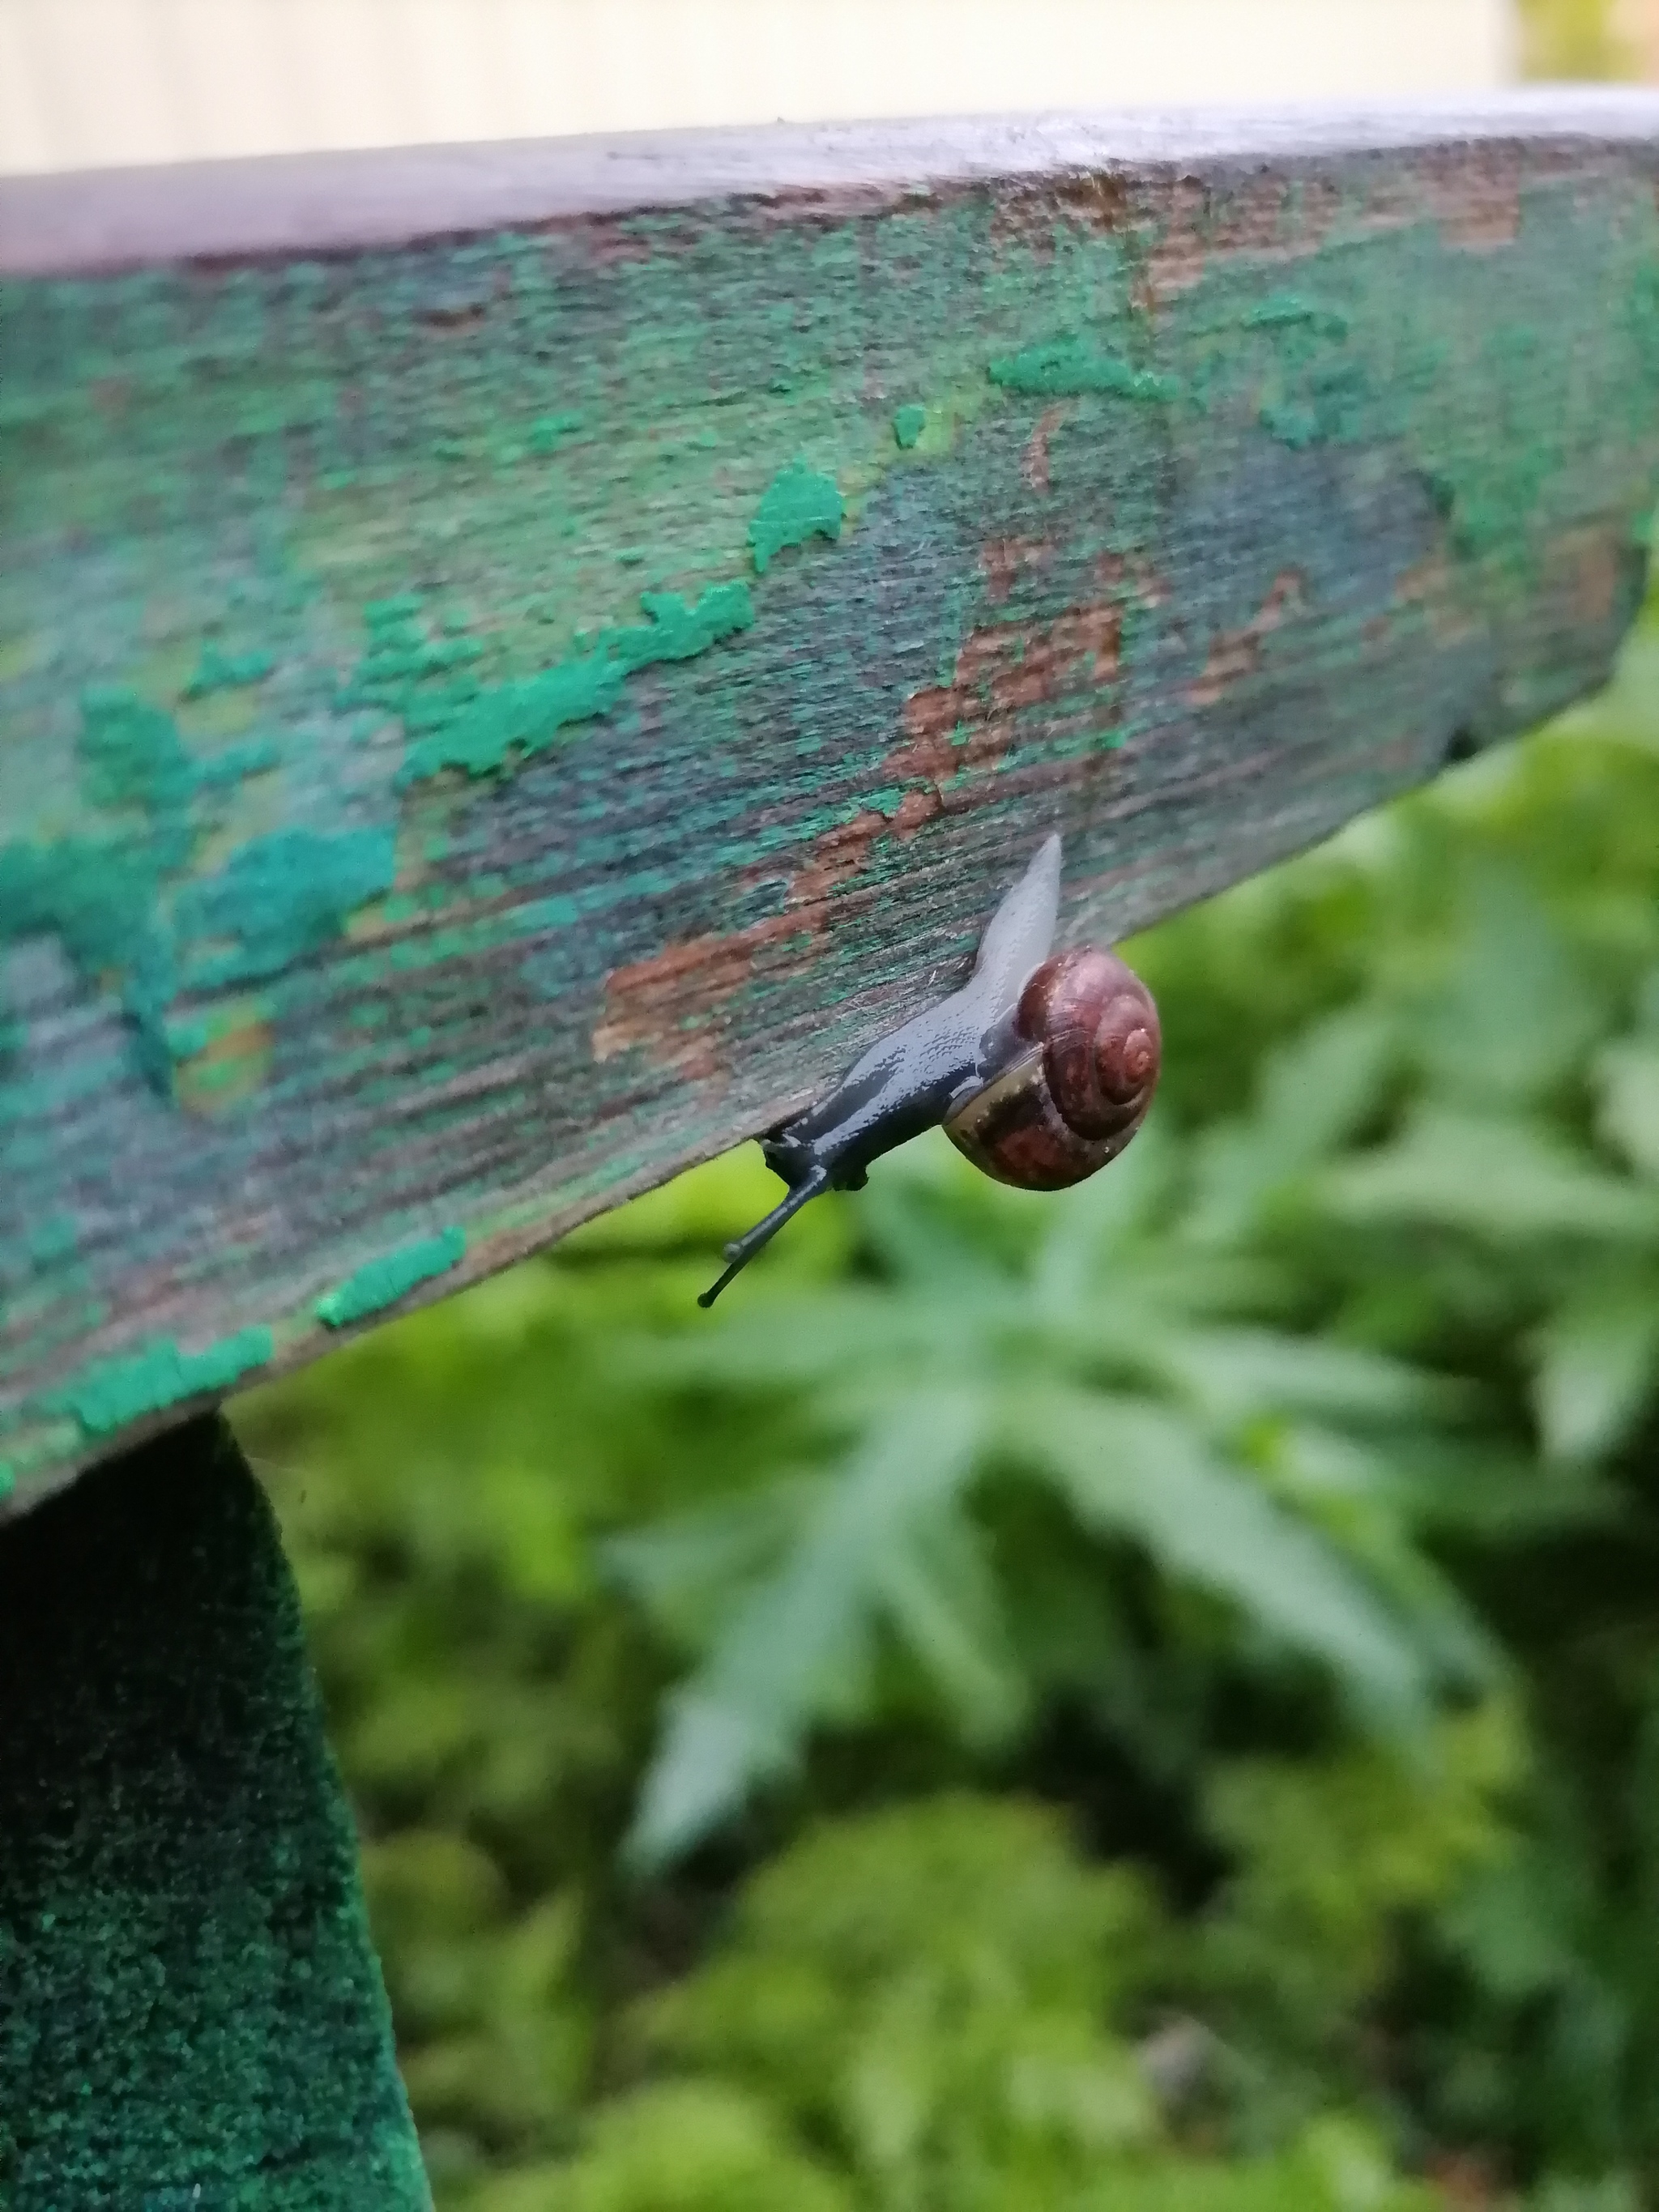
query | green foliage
[1147, 1698]
[924, 1989]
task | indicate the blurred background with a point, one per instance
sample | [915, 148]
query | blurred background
[97, 81]
[1144, 1704]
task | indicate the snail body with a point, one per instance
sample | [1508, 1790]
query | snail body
[1040, 1069]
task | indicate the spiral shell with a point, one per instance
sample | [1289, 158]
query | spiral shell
[1084, 1065]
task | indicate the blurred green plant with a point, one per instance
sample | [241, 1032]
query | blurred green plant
[1147, 1699]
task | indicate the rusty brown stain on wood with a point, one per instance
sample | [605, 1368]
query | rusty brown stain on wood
[668, 1006]
[968, 722]
[1004, 559]
[1132, 576]
[1473, 203]
[665, 1006]
[1096, 202]
[1237, 654]
[1431, 589]
[1597, 563]
[1035, 466]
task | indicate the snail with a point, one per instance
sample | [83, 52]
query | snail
[1041, 1069]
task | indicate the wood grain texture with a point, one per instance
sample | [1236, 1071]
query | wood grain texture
[515, 665]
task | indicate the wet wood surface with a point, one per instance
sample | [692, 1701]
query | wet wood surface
[516, 663]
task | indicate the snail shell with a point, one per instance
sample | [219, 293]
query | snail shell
[1082, 1064]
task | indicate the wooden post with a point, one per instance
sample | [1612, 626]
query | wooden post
[190, 2012]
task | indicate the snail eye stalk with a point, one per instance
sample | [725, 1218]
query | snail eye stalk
[740, 1253]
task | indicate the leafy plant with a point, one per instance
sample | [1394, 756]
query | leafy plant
[1082, 1347]
[934, 1997]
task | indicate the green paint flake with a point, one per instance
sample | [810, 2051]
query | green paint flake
[113, 1392]
[401, 653]
[55, 1238]
[283, 897]
[382, 1282]
[381, 614]
[1295, 427]
[522, 718]
[185, 1039]
[101, 897]
[483, 730]
[548, 432]
[8, 1479]
[1288, 310]
[677, 632]
[908, 426]
[224, 671]
[237, 762]
[99, 901]
[1068, 368]
[798, 504]
[130, 754]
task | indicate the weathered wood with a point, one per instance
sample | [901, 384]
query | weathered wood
[516, 663]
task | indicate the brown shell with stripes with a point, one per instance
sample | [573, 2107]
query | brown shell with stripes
[1082, 1068]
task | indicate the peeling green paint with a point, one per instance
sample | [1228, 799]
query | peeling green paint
[222, 671]
[401, 653]
[282, 897]
[480, 729]
[548, 432]
[480, 734]
[99, 900]
[8, 1479]
[1288, 310]
[104, 898]
[799, 503]
[106, 1396]
[908, 426]
[236, 763]
[54, 1238]
[1066, 367]
[1295, 427]
[132, 755]
[677, 632]
[382, 1282]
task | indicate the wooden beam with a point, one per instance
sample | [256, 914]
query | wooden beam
[515, 663]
